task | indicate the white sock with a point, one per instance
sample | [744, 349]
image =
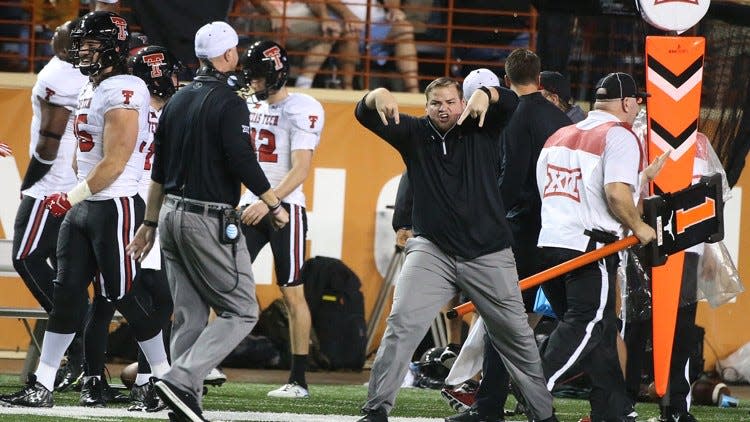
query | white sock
[141, 379]
[156, 356]
[303, 82]
[45, 375]
[53, 349]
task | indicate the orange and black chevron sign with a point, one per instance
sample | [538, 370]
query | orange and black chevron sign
[674, 73]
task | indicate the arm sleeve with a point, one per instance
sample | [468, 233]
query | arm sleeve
[398, 135]
[499, 113]
[157, 171]
[515, 168]
[622, 157]
[131, 95]
[404, 203]
[56, 95]
[307, 120]
[238, 152]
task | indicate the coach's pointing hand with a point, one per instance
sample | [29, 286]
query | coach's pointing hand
[476, 107]
[385, 103]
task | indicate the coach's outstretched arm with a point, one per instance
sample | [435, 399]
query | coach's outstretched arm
[378, 112]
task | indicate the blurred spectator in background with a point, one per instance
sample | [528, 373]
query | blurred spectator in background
[174, 28]
[304, 28]
[14, 54]
[390, 34]
[556, 88]
[489, 33]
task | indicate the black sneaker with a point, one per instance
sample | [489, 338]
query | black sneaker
[144, 398]
[33, 395]
[183, 404]
[216, 377]
[138, 395]
[678, 417]
[92, 394]
[68, 376]
[113, 395]
[473, 415]
[374, 415]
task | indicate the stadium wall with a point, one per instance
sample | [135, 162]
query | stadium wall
[353, 180]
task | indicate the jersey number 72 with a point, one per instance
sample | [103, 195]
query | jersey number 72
[264, 142]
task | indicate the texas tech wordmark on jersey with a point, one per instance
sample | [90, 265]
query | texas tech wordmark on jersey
[121, 91]
[58, 83]
[276, 130]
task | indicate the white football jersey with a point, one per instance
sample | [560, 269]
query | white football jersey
[147, 147]
[121, 91]
[295, 122]
[573, 167]
[58, 83]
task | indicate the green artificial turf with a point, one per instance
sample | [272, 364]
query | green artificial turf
[346, 400]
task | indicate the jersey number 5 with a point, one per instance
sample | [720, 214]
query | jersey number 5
[265, 143]
[85, 140]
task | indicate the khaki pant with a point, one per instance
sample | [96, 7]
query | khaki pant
[428, 279]
[203, 274]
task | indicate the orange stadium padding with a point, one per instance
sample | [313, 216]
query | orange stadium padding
[674, 74]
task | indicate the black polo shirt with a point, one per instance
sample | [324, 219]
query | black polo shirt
[203, 144]
[457, 202]
[534, 120]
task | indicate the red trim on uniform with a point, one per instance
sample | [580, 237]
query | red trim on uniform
[126, 240]
[592, 140]
[34, 230]
[297, 222]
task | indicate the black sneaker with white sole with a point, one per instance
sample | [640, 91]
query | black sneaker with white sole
[92, 394]
[33, 395]
[143, 398]
[68, 375]
[182, 403]
[216, 377]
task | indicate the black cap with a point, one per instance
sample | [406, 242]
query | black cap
[616, 86]
[555, 83]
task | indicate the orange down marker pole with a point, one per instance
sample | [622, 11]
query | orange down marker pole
[558, 270]
[674, 74]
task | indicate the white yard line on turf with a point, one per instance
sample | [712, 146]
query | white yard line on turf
[117, 414]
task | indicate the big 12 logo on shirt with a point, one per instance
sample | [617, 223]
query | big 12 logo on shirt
[563, 181]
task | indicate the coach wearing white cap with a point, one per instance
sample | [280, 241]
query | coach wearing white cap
[201, 158]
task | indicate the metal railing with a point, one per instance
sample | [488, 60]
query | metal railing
[440, 38]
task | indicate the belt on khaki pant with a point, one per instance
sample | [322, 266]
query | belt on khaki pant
[196, 207]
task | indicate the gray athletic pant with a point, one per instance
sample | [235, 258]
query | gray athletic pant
[428, 279]
[203, 274]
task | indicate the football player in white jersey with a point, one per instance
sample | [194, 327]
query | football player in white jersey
[157, 68]
[285, 129]
[53, 98]
[103, 209]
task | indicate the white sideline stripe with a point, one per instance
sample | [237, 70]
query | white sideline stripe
[121, 413]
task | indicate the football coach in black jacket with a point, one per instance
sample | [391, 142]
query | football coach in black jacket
[462, 239]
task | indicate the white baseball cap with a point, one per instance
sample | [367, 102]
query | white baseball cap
[213, 39]
[477, 78]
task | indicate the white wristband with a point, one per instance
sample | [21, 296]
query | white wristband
[79, 193]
